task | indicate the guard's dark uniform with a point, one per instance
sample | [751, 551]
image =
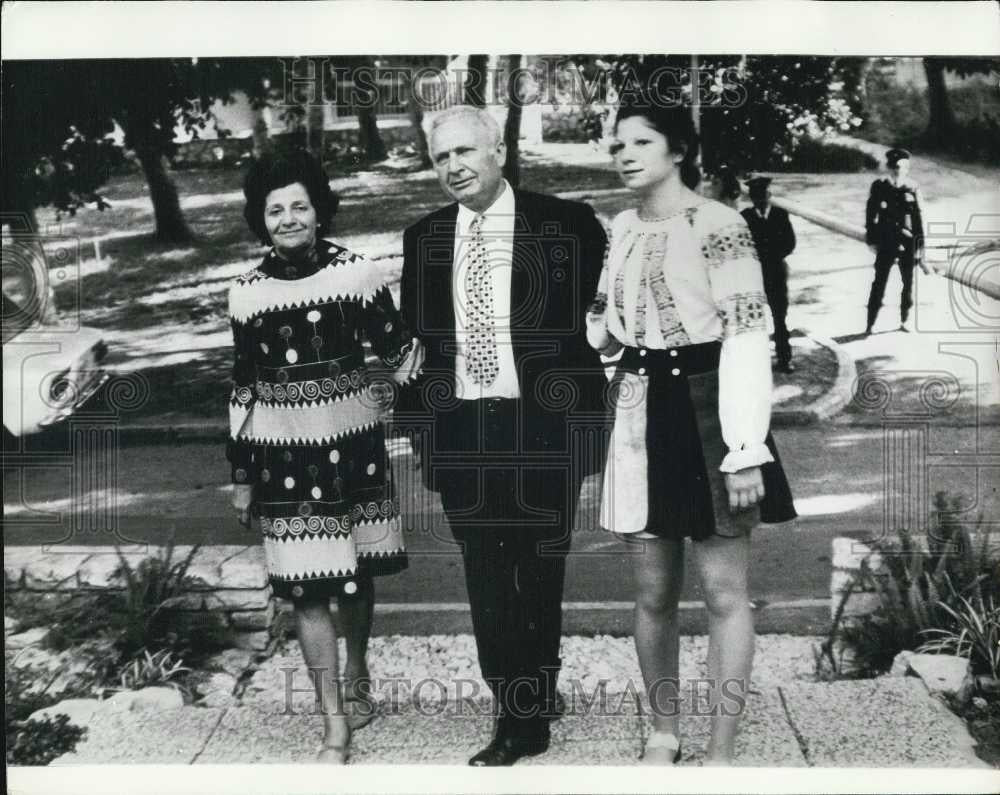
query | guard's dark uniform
[774, 239]
[894, 225]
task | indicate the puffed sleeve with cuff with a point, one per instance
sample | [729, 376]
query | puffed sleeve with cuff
[745, 362]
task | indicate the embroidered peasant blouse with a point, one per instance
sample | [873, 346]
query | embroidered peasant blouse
[690, 278]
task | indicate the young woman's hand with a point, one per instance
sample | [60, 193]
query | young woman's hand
[745, 488]
[242, 500]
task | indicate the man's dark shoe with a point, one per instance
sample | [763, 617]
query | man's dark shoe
[555, 708]
[505, 751]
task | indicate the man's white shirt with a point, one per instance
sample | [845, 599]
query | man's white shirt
[498, 237]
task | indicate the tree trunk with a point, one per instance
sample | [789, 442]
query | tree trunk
[512, 126]
[475, 81]
[941, 124]
[261, 134]
[371, 138]
[416, 114]
[170, 224]
[315, 134]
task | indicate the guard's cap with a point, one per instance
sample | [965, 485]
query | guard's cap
[893, 156]
[759, 183]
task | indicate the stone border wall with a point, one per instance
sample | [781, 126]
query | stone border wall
[231, 580]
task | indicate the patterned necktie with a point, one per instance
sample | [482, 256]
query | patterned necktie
[481, 339]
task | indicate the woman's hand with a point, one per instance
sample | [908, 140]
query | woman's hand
[598, 337]
[745, 488]
[242, 500]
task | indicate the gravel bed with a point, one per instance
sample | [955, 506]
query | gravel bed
[436, 668]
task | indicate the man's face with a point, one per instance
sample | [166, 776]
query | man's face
[469, 165]
[761, 198]
[900, 169]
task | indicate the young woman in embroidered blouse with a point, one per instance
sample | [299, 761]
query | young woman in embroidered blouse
[682, 304]
[306, 443]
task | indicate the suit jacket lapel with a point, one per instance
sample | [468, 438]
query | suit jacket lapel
[520, 278]
[439, 263]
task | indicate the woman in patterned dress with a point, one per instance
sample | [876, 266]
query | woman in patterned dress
[307, 443]
[681, 304]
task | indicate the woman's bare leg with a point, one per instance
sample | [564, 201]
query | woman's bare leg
[659, 577]
[356, 612]
[318, 639]
[722, 565]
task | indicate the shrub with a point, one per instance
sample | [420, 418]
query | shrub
[38, 742]
[34, 742]
[159, 669]
[150, 613]
[923, 593]
[812, 156]
[897, 115]
[145, 613]
[976, 635]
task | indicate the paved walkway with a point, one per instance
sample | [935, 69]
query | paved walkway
[790, 721]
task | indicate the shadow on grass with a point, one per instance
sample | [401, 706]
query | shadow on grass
[193, 390]
[885, 393]
[804, 296]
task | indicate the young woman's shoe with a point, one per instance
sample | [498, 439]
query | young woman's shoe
[662, 748]
[333, 754]
[329, 754]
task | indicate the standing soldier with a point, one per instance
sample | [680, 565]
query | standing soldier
[894, 231]
[774, 239]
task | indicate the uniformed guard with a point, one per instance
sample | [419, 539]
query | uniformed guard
[774, 239]
[894, 231]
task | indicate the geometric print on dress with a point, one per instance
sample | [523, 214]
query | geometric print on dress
[743, 312]
[297, 526]
[241, 396]
[654, 247]
[671, 327]
[728, 243]
[309, 390]
[347, 278]
[391, 360]
[619, 289]
[375, 511]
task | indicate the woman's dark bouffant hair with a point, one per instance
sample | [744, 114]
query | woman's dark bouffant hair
[276, 170]
[671, 120]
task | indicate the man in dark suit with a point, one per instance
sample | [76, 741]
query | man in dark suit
[894, 231]
[496, 286]
[774, 239]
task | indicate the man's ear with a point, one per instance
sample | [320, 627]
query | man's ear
[501, 154]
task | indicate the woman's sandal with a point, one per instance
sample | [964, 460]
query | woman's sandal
[333, 754]
[662, 748]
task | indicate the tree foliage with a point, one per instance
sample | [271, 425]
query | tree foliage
[942, 125]
[751, 110]
[58, 116]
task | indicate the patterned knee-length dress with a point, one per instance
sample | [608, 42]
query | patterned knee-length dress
[306, 425]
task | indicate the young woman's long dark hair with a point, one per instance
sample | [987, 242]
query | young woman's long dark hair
[672, 121]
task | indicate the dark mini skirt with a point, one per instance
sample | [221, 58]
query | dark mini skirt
[662, 475]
